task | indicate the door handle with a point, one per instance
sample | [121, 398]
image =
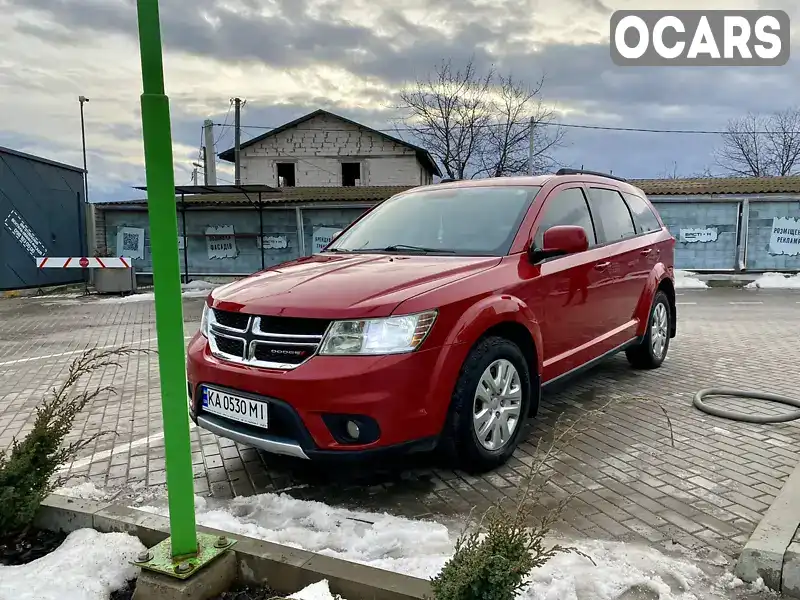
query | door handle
[602, 266]
[647, 251]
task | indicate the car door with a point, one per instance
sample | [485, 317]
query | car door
[561, 289]
[618, 297]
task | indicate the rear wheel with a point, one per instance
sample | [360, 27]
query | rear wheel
[652, 350]
[489, 406]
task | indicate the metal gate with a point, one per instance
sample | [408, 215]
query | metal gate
[42, 213]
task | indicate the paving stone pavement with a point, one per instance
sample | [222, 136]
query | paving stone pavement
[698, 486]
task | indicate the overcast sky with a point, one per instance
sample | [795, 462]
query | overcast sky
[289, 57]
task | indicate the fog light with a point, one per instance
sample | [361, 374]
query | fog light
[352, 430]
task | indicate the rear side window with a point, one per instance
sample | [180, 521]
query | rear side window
[567, 207]
[612, 215]
[643, 216]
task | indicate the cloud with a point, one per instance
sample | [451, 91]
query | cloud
[289, 57]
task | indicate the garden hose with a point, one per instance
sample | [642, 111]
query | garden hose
[744, 417]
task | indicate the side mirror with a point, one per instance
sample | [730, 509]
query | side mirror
[561, 240]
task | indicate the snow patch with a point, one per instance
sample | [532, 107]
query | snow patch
[88, 566]
[776, 281]
[316, 591]
[688, 280]
[194, 289]
[418, 548]
[616, 571]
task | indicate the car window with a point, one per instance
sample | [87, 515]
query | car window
[612, 214]
[643, 216]
[467, 221]
[567, 207]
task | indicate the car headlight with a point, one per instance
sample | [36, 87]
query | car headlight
[204, 321]
[392, 335]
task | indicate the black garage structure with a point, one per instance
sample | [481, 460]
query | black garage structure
[42, 213]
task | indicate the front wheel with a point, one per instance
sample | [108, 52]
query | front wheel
[651, 352]
[489, 406]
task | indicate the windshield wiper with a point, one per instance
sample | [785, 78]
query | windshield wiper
[401, 247]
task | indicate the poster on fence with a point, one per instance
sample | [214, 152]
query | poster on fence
[785, 237]
[699, 234]
[221, 242]
[274, 242]
[130, 242]
[323, 237]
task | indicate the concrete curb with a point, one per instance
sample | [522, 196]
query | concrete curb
[286, 570]
[770, 552]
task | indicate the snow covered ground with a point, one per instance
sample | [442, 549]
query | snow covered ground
[193, 289]
[687, 280]
[420, 549]
[776, 281]
[87, 566]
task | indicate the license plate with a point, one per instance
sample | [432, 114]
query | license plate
[236, 408]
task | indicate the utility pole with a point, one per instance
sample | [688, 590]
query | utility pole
[209, 154]
[238, 139]
[531, 147]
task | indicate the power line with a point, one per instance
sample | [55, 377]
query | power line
[224, 125]
[559, 124]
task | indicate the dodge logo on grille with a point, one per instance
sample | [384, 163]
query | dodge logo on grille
[289, 352]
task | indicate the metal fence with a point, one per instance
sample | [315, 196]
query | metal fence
[231, 240]
[712, 234]
[756, 233]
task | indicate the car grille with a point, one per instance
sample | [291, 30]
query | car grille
[261, 341]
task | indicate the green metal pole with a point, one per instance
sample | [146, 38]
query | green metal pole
[166, 279]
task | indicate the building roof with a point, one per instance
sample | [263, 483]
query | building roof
[707, 186]
[46, 161]
[652, 187]
[423, 155]
[292, 195]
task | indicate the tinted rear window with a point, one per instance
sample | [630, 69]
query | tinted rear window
[643, 215]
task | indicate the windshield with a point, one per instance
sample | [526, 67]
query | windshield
[471, 221]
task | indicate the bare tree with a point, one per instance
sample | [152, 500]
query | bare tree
[516, 108]
[762, 145]
[478, 124]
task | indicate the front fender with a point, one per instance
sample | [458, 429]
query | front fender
[492, 311]
[468, 329]
[642, 313]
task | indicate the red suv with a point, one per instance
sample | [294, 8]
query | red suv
[435, 320]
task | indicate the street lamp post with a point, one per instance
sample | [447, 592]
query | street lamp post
[91, 242]
[83, 100]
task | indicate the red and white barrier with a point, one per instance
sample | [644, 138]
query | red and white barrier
[83, 262]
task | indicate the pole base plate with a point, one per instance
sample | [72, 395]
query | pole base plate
[209, 547]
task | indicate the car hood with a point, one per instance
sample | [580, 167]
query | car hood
[344, 286]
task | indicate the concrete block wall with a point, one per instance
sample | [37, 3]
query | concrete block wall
[723, 217]
[760, 230]
[318, 147]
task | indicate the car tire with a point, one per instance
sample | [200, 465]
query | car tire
[472, 401]
[651, 352]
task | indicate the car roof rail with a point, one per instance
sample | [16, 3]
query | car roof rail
[585, 172]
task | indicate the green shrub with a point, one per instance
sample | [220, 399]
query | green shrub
[27, 473]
